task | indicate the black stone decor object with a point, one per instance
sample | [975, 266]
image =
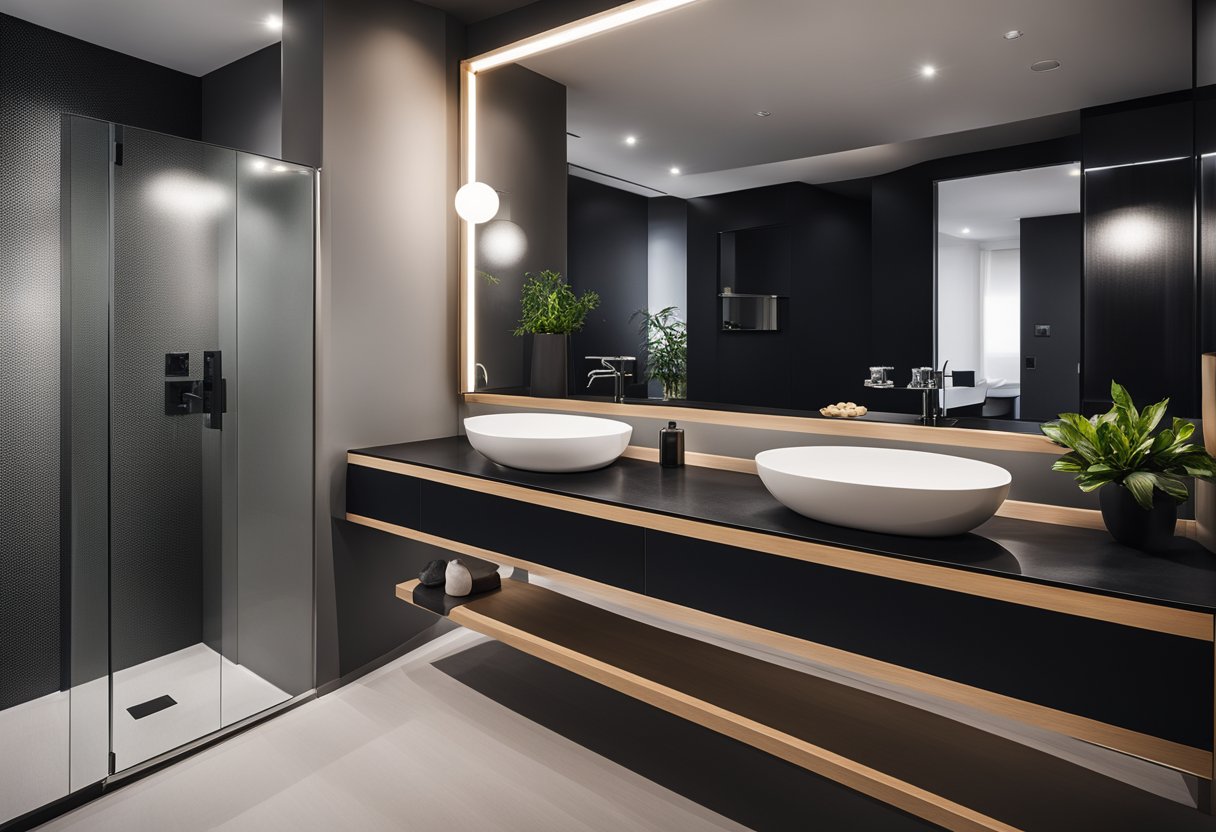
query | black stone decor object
[1132, 525]
[549, 364]
[433, 573]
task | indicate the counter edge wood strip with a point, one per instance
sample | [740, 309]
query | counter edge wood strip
[888, 431]
[1164, 752]
[820, 761]
[1141, 614]
[1081, 518]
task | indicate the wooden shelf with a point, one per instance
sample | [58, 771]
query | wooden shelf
[943, 771]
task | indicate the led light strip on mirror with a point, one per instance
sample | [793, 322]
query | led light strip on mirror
[597, 24]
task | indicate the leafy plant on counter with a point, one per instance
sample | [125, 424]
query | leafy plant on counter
[1119, 446]
[550, 307]
[665, 338]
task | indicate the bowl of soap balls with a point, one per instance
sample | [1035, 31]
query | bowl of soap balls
[844, 410]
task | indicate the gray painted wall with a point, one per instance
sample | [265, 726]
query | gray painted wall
[243, 103]
[386, 303]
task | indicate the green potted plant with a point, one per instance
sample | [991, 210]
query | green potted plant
[665, 339]
[1143, 469]
[550, 311]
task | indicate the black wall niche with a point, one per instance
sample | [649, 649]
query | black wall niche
[608, 253]
[242, 103]
[1140, 288]
[43, 74]
[823, 322]
[1051, 297]
[903, 227]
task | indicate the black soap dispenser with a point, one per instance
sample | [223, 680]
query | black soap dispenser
[671, 446]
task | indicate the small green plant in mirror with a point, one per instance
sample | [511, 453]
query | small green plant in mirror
[665, 338]
[1120, 447]
[550, 307]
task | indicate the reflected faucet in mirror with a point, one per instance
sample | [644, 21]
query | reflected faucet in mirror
[480, 370]
[607, 370]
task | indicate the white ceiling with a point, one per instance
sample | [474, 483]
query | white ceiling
[193, 36]
[841, 78]
[990, 206]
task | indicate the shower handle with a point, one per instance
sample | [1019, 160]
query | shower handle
[213, 389]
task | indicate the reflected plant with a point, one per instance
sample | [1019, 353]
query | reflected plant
[665, 338]
[550, 307]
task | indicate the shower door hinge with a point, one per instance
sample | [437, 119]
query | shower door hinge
[113, 762]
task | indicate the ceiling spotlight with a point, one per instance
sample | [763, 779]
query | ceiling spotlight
[1045, 66]
[273, 22]
[928, 71]
[631, 140]
[1013, 34]
[966, 230]
[259, 164]
[764, 113]
[675, 171]
[279, 168]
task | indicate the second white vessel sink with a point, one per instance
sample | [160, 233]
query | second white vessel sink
[548, 442]
[885, 490]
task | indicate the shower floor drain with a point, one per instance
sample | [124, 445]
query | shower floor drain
[152, 706]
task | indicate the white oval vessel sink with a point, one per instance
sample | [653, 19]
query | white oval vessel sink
[548, 442]
[885, 490]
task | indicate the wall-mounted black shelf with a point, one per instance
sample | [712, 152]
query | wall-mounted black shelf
[742, 312]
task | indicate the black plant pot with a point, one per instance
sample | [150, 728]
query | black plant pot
[549, 366]
[1134, 526]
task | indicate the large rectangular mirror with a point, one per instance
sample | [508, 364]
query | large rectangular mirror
[1012, 194]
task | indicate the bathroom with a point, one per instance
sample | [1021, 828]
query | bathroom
[488, 414]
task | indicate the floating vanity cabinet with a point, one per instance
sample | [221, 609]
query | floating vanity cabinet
[1050, 625]
[600, 550]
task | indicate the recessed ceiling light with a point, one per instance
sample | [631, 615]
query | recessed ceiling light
[928, 71]
[1045, 66]
[675, 171]
[279, 168]
[273, 22]
[764, 113]
[1013, 34]
[631, 140]
[259, 164]
[966, 230]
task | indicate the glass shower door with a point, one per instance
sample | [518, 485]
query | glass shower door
[189, 403]
[173, 310]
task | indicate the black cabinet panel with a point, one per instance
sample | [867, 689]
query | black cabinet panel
[1144, 681]
[611, 553]
[1139, 296]
[382, 495]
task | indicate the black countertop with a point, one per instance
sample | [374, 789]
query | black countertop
[1082, 559]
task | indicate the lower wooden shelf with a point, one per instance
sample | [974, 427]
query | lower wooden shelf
[933, 767]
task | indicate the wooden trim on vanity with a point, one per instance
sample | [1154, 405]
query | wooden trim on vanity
[834, 766]
[1124, 611]
[1163, 752]
[1083, 518]
[957, 437]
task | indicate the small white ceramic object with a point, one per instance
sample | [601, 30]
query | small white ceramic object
[457, 580]
[548, 442]
[885, 490]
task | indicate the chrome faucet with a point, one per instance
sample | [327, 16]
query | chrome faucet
[617, 374]
[484, 372]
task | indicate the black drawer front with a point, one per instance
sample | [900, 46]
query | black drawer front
[601, 550]
[382, 495]
[1154, 683]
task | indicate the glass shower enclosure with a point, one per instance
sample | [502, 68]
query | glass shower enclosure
[186, 440]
